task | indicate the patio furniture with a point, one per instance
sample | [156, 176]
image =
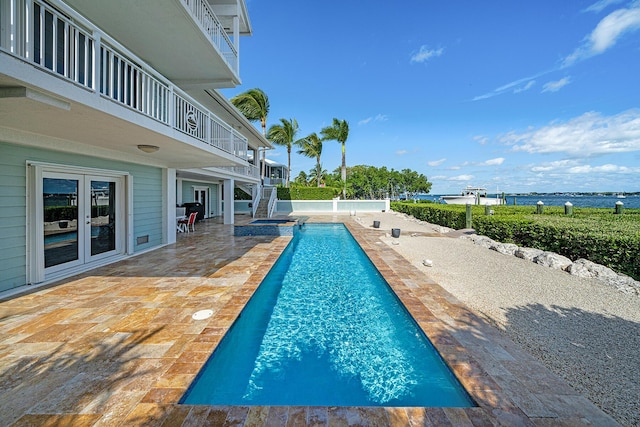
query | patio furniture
[186, 224]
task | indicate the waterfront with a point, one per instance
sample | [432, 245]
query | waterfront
[583, 201]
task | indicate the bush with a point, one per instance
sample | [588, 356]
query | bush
[594, 234]
[307, 193]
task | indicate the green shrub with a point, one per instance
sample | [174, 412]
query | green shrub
[57, 213]
[307, 193]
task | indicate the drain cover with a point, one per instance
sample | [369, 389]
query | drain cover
[202, 314]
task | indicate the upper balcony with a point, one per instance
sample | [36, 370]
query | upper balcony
[106, 96]
[183, 39]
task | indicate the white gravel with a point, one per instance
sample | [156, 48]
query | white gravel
[583, 330]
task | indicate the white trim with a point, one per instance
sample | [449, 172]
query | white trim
[36, 273]
[207, 205]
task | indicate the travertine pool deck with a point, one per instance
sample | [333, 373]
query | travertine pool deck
[118, 346]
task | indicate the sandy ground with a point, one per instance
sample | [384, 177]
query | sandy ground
[583, 330]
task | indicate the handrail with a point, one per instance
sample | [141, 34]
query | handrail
[256, 199]
[272, 202]
[67, 44]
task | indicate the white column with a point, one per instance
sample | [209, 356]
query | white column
[229, 185]
[219, 199]
[169, 205]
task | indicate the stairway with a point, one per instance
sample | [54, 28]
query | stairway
[263, 209]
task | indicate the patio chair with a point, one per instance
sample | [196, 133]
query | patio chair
[188, 223]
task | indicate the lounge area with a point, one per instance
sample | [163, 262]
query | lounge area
[119, 345]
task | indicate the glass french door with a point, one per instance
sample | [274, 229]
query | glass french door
[200, 195]
[81, 219]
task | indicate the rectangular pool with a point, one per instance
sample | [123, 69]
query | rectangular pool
[325, 329]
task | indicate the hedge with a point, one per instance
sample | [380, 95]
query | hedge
[58, 213]
[307, 193]
[594, 234]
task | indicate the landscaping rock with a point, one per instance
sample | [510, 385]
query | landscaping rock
[588, 269]
[527, 253]
[483, 241]
[505, 248]
[553, 260]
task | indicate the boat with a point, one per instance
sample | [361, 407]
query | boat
[472, 196]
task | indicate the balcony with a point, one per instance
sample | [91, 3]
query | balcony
[183, 39]
[43, 46]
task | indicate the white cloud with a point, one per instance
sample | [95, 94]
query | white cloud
[377, 118]
[608, 168]
[554, 166]
[460, 178]
[515, 86]
[424, 54]
[480, 139]
[436, 162]
[525, 88]
[607, 33]
[600, 5]
[583, 136]
[493, 162]
[557, 85]
[401, 152]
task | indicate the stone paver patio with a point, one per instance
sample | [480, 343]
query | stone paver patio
[118, 346]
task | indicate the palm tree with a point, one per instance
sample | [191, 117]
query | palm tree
[285, 134]
[311, 146]
[254, 105]
[339, 131]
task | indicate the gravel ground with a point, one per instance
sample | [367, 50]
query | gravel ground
[583, 330]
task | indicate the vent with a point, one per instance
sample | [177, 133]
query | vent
[142, 240]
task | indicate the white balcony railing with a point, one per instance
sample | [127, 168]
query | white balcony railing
[202, 11]
[71, 47]
[250, 171]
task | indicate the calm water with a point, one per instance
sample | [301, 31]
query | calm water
[578, 201]
[324, 329]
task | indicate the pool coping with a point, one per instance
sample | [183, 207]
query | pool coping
[509, 386]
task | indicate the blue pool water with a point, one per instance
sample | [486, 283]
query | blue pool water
[325, 329]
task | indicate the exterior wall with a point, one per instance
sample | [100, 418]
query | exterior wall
[294, 206]
[187, 194]
[147, 203]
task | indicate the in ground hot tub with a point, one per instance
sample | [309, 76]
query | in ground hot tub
[268, 227]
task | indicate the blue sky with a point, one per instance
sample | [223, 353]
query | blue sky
[517, 96]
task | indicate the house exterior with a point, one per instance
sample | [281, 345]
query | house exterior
[109, 118]
[275, 173]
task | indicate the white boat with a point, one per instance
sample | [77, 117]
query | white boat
[472, 196]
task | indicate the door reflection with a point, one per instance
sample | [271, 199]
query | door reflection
[103, 217]
[60, 204]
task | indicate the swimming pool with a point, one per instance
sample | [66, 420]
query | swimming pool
[325, 329]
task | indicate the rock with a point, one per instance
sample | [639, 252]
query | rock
[624, 284]
[527, 253]
[427, 262]
[505, 248]
[483, 241]
[553, 260]
[588, 269]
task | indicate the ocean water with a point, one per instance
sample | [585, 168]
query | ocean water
[632, 202]
[325, 329]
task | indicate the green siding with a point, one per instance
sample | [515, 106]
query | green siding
[187, 194]
[147, 203]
